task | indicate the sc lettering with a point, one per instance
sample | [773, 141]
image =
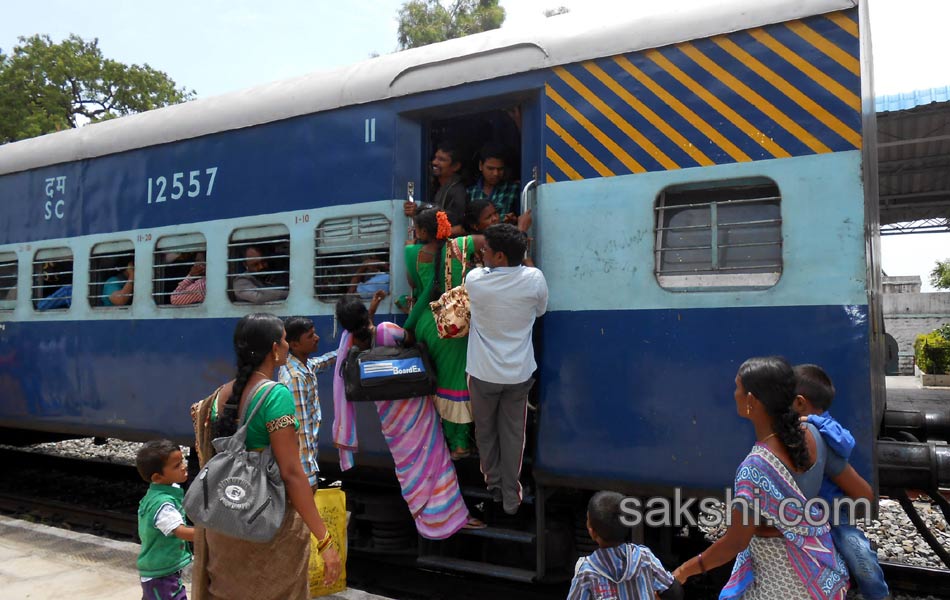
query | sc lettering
[57, 208]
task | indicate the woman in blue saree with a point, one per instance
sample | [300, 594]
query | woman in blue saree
[793, 556]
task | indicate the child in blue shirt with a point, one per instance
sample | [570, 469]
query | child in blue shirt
[618, 570]
[814, 393]
[162, 528]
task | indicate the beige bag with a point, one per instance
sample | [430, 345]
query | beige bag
[451, 311]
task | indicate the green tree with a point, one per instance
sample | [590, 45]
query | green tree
[940, 276]
[423, 22]
[47, 87]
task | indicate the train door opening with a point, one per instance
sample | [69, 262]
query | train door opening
[497, 145]
[475, 135]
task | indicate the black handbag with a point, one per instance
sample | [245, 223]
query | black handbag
[388, 373]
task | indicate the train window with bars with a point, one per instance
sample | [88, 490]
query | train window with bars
[259, 264]
[351, 256]
[178, 276]
[8, 280]
[111, 273]
[52, 279]
[719, 235]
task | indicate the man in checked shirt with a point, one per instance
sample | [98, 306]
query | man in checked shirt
[300, 377]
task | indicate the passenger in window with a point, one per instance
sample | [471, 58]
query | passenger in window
[450, 193]
[191, 289]
[118, 289]
[256, 285]
[61, 298]
[493, 185]
[371, 276]
[58, 275]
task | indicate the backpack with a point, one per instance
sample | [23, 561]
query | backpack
[388, 373]
[238, 492]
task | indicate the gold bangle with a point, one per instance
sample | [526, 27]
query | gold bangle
[324, 543]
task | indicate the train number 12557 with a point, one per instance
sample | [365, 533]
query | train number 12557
[181, 184]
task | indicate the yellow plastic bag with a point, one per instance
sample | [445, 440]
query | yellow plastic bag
[331, 503]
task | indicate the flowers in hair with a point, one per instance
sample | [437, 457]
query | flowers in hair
[445, 227]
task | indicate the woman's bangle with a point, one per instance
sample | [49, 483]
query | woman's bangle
[325, 542]
[702, 567]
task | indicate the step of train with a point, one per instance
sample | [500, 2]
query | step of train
[445, 563]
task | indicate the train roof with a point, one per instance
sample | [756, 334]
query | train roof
[473, 58]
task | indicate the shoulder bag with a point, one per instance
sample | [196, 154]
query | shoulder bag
[238, 492]
[451, 311]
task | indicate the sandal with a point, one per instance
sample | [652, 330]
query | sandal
[474, 523]
[460, 453]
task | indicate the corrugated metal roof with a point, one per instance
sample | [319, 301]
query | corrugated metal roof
[906, 100]
[913, 135]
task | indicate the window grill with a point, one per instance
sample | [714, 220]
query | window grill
[108, 274]
[259, 265]
[719, 235]
[351, 256]
[52, 287]
[8, 280]
[178, 276]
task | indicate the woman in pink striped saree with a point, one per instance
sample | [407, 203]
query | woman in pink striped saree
[412, 428]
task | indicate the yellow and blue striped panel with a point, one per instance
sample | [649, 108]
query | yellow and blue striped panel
[783, 90]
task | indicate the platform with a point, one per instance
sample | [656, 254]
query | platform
[38, 562]
[905, 392]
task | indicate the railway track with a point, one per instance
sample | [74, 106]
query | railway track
[910, 579]
[94, 496]
[100, 521]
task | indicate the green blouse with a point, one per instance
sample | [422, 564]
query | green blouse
[277, 412]
[422, 274]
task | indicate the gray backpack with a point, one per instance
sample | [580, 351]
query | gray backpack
[239, 493]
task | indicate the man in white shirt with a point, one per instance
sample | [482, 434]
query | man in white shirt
[506, 297]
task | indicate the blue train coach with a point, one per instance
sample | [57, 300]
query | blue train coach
[703, 186]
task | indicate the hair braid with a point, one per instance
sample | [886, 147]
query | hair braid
[439, 286]
[788, 429]
[227, 422]
[254, 337]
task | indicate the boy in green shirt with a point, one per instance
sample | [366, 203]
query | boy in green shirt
[162, 526]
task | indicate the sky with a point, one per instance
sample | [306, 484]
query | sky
[218, 46]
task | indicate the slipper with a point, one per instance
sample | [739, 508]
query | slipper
[474, 523]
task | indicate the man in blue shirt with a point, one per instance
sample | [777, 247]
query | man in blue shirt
[506, 297]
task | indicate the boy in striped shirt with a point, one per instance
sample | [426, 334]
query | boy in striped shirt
[618, 570]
